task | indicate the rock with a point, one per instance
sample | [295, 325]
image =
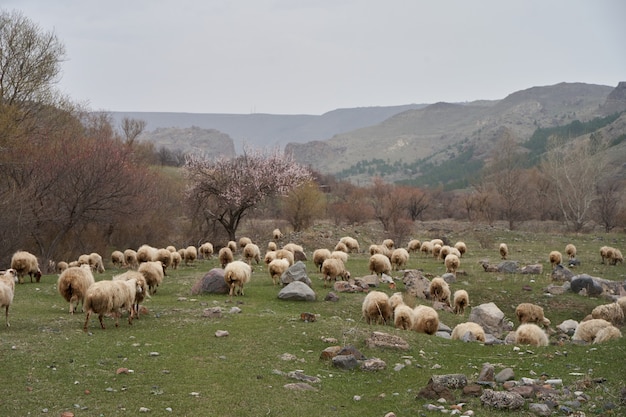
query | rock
[330, 352]
[235, 310]
[473, 390]
[297, 291]
[502, 400]
[308, 317]
[555, 289]
[345, 362]
[299, 256]
[385, 340]
[539, 409]
[561, 274]
[568, 327]
[434, 391]
[573, 263]
[524, 391]
[487, 373]
[211, 283]
[331, 296]
[587, 283]
[221, 333]
[438, 305]
[443, 334]
[416, 284]
[449, 278]
[351, 350]
[345, 286]
[373, 364]
[510, 267]
[300, 376]
[212, 312]
[505, 375]
[490, 317]
[296, 273]
[492, 340]
[452, 381]
[299, 386]
[536, 269]
[371, 281]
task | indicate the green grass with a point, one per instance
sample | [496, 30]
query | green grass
[49, 363]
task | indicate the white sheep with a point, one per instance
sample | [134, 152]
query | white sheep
[351, 244]
[251, 252]
[61, 266]
[403, 317]
[191, 254]
[414, 245]
[440, 290]
[570, 250]
[604, 253]
[117, 258]
[399, 258]
[460, 301]
[389, 244]
[426, 248]
[622, 303]
[270, 255]
[83, 259]
[436, 242]
[141, 283]
[337, 254]
[444, 251]
[380, 249]
[277, 234]
[452, 262]
[110, 298]
[243, 241]
[285, 254]
[475, 330]
[333, 268]
[555, 258]
[25, 263]
[294, 248]
[611, 312]
[277, 268]
[130, 258]
[319, 256]
[504, 251]
[7, 291]
[153, 273]
[461, 247]
[587, 331]
[607, 333]
[376, 308]
[232, 245]
[531, 334]
[616, 257]
[425, 319]
[395, 300]
[271, 246]
[531, 313]
[436, 250]
[171, 248]
[379, 264]
[146, 253]
[176, 259]
[206, 250]
[225, 255]
[73, 284]
[236, 275]
[341, 247]
[165, 257]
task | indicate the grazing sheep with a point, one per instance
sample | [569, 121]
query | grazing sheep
[436, 250]
[426, 248]
[285, 254]
[73, 284]
[351, 244]
[270, 255]
[319, 256]
[165, 257]
[271, 246]
[616, 257]
[232, 245]
[444, 251]
[110, 298]
[236, 275]
[531, 313]
[7, 291]
[399, 258]
[146, 253]
[171, 248]
[61, 266]
[380, 249]
[461, 301]
[141, 283]
[117, 258]
[622, 303]
[604, 253]
[176, 259]
[403, 317]
[153, 273]
[277, 234]
[293, 248]
[414, 245]
[130, 257]
[425, 320]
[379, 264]
[337, 254]
[607, 333]
[388, 243]
[243, 241]
[475, 330]
[395, 300]
[225, 255]
[570, 250]
[191, 254]
[333, 268]
[83, 260]
[504, 251]
[555, 258]
[452, 262]
[206, 250]
[588, 330]
[340, 246]
[437, 242]
[531, 334]
[251, 252]
[612, 313]
[277, 268]
[461, 247]
[376, 308]
[440, 290]
[95, 262]
[25, 263]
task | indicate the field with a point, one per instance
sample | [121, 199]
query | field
[171, 363]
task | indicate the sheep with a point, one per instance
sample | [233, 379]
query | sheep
[440, 290]
[504, 251]
[61, 266]
[165, 257]
[388, 243]
[251, 252]
[130, 257]
[531, 334]
[380, 249]
[341, 247]
[444, 251]
[436, 250]
[452, 262]
[570, 250]
[206, 250]
[475, 330]
[277, 234]
[426, 248]
[586, 331]
[236, 275]
[425, 320]
[191, 254]
[437, 242]
[146, 253]
[319, 256]
[243, 241]
[461, 247]
[337, 254]
[460, 301]
[555, 258]
[399, 258]
[225, 255]
[110, 298]
[351, 244]
[176, 259]
[25, 263]
[607, 333]
[271, 246]
[333, 268]
[141, 283]
[153, 273]
[616, 257]
[83, 259]
[117, 258]
[270, 255]
[403, 317]
[73, 284]
[276, 269]
[414, 245]
[396, 300]
[293, 248]
[285, 254]
[622, 303]
[531, 313]
[171, 248]
[232, 245]
[612, 313]
[379, 264]
[7, 291]
[376, 308]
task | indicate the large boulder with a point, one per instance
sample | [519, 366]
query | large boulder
[296, 272]
[510, 267]
[416, 284]
[212, 283]
[586, 285]
[491, 318]
[297, 291]
[561, 274]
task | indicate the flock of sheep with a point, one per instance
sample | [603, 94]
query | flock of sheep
[148, 265]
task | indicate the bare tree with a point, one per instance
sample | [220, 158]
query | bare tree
[608, 203]
[132, 128]
[417, 201]
[388, 202]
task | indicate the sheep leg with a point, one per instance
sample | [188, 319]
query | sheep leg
[6, 315]
[100, 316]
[86, 321]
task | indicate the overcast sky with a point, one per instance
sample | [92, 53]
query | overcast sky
[313, 56]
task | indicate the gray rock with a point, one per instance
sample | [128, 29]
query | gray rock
[591, 287]
[492, 340]
[452, 381]
[449, 278]
[536, 269]
[297, 291]
[351, 350]
[331, 296]
[511, 267]
[561, 274]
[299, 386]
[212, 312]
[568, 327]
[502, 400]
[300, 376]
[385, 340]
[504, 375]
[539, 409]
[211, 283]
[416, 284]
[490, 317]
[369, 281]
[556, 289]
[373, 364]
[345, 362]
[295, 273]
[487, 373]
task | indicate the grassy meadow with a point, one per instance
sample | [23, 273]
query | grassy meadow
[177, 366]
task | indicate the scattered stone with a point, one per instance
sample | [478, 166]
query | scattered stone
[288, 357]
[390, 414]
[536, 269]
[492, 340]
[568, 327]
[505, 375]
[212, 312]
[351, 350]
[212, 283]
[487, 373]
[434, 391]
[330, 352]
[299, 386]
[144, 410]
[473, 390]
[296, 273]
[154, 354]
[345, 362]
[122, 371]
[370, 281]
[345, 286]
[525, 391]
[416, 284]
[438, 305]
[300, 376]
[373, 364]
[490, 317]
[235, 310]
[586, 283]
[307, 317]
[449, 277]
[452, 381]
[539, 409]
[385, 340]
[555, 289]
[329, 339]
[510, 267]
[502, 400]
[297, 291]
[331, 296]
[221, 333]
[561, 274]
